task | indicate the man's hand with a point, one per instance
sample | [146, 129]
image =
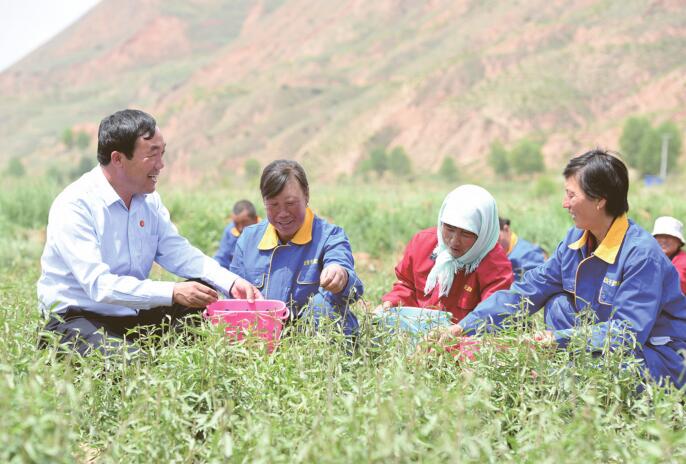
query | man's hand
[334, 278]
[193, 294]
[244, 290]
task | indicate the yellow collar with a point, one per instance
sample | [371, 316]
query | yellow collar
[270, 239]
[235, 232]
[513, 243]
[609, 247]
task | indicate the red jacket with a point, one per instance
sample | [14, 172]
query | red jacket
[679, 261]
[494, 273]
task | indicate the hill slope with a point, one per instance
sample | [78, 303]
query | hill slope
[323, 81]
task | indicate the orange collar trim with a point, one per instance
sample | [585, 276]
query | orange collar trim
[513, 243]
[609, 247]
[270, 239]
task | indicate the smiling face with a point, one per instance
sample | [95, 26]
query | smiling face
[586, 212]
[458, 241]
[286, 210]
[139, 174]
[670, 245]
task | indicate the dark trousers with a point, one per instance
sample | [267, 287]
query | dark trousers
[81, 330]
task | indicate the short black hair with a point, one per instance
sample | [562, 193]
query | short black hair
[602, 174]
[119, 132]
[276, 174]
[245, 205]
[503, 222]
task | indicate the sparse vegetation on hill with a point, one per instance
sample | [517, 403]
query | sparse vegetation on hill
[525, 158]
[380, 161]
[229, 80]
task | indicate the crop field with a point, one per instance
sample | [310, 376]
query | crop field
[194, 397]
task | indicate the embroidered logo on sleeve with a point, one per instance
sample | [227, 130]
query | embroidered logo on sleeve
[468, 288]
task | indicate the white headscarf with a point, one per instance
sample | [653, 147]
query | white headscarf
[472, 208]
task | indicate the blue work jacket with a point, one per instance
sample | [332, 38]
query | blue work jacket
[627, 282]
[226, 245]
[524, 255]
[290, 271]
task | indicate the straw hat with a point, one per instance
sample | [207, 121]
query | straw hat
[667, 225]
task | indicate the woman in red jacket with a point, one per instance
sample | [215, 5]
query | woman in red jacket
[459, 263]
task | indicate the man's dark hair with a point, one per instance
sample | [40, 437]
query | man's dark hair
[503, 222]
[602, 175]
[245, 205]
[277, 173]
[119, 132]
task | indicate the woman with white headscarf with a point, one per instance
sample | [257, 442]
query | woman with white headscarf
[459, 263]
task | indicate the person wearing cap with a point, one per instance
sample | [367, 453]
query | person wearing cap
[523, 254]
[456, 264]
[606, 265]
[243, 215]
[669, 233]
[297, 257]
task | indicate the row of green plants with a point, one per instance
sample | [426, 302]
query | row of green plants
[194, 397]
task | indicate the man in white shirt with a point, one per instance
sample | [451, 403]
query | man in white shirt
[104, 232]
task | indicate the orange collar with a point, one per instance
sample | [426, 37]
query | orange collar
[607, 249]
[270, 239]
[513, 243]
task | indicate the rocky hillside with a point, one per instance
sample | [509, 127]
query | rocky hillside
[322, 81]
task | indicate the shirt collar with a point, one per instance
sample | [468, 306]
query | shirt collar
[270, 239]
[513, 243]
[609, 247]
[104, 188]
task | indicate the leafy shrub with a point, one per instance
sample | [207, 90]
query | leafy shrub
[399, 163]
[377, 162]
[544, 186]
[498, 159]
[86, 163]
[27, 203]
[68, 137]
[526, 157]
[15, 168]
[448, 171]
[82, 140]
[78, 139]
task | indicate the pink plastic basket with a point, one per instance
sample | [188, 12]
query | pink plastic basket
[263, 318]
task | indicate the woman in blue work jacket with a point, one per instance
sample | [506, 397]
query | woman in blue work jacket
[295, 256]
[608, 264]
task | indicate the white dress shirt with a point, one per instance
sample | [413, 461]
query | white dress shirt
[98, 253]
